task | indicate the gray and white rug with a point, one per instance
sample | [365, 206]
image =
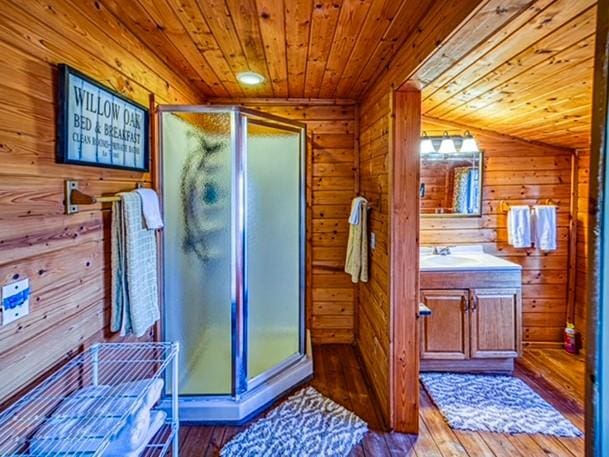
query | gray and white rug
[494, 403]
[306, 424]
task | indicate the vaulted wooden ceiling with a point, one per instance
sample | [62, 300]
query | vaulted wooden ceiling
[530, 76]
[304, 48]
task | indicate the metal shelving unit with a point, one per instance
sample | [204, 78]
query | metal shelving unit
[82, 408]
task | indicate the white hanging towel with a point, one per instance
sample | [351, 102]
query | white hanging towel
[356, 208]
[544, 227]
[151, 209]
[519, 226]
[356, 263]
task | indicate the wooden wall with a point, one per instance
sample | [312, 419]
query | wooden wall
[583, 206]
[374, 327]
[373, 335]
[66, 258]
[517, 172]
[331, 182]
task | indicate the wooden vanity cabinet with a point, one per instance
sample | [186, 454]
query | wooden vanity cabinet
[475, 323]
[445, 334]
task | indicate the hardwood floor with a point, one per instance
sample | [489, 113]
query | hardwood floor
[556, 376]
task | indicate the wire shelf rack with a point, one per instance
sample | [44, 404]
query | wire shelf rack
[85, 408]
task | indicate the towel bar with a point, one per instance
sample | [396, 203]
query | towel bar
[504, 207]
[74, 197]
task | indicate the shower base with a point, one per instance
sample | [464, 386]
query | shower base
[226, 409]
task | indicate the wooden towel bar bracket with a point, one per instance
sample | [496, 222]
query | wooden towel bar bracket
[74, 197]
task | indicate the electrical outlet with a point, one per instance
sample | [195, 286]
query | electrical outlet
[15, 301]
[372, 240]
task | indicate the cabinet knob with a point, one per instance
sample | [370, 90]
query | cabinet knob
[474, 302]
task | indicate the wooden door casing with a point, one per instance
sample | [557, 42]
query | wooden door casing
[495, 323]
[445, 334]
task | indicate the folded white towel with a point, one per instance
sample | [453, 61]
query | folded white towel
[544, 224]
[356, 206]
[519, 226]
[157, 419]
[82, 420]
[151, 209]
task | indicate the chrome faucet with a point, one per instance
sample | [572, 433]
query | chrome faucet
[441, 251]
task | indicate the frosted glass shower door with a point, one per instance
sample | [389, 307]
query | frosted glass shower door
[273, 245]
[197, 157]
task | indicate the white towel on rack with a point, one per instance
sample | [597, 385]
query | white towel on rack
[151, 208]
[519, 226]
[544, 227]
[95, 411]
[356, 208]
[157, 419]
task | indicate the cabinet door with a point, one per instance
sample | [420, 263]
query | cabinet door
[445, 334]
[495, 323]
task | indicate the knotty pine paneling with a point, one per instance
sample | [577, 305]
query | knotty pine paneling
[66, 258]
[373, 331]
[374, 326]
[518, 172]
[529, 75]
[331, 181]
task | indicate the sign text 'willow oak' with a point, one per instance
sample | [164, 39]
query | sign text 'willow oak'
[99, 127]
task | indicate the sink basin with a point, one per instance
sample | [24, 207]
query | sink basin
[450, 260]
[464, 258]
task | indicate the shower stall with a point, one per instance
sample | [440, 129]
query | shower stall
[232, 184]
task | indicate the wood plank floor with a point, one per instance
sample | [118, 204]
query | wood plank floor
[555, 375]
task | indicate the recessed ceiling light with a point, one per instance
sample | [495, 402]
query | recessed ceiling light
[250, 78]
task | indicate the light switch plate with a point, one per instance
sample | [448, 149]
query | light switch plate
[15, 301]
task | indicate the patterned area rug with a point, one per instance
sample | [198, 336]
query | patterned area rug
[489, 403]
[306, 424]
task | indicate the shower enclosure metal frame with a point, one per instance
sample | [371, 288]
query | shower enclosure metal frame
[247, 397]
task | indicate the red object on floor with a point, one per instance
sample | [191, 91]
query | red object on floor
[571, 345]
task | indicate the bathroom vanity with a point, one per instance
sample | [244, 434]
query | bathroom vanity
[476, 308]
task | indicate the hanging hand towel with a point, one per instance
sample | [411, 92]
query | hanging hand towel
[519, 226]
[356, 263]
[135, 306]
[151, 209]
[544, 227]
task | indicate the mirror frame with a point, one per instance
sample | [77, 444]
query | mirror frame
[446, 215]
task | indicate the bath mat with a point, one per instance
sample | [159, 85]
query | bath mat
[306, 424]
[494, 403]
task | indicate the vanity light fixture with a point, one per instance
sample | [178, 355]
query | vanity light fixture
[447, 146]
[427, 145]
[469, 144]
[250, 78]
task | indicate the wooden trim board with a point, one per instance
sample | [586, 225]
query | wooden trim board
[404, 262]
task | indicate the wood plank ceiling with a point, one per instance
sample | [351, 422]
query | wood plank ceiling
[304, 48]
[531, 77]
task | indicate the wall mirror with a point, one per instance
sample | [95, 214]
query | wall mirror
[451, 176]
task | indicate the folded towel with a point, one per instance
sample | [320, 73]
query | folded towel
[544, 227]
[519, 226]
[82, 420]
[151, 208]
[135, 306]
[154, 389]
[356, 263]
[157, 419]
[356, 208]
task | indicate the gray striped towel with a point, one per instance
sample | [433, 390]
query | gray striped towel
[135, 302]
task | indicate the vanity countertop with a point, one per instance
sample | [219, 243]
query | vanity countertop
[463, 258]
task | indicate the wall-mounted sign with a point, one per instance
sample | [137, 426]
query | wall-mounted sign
[99, 127]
